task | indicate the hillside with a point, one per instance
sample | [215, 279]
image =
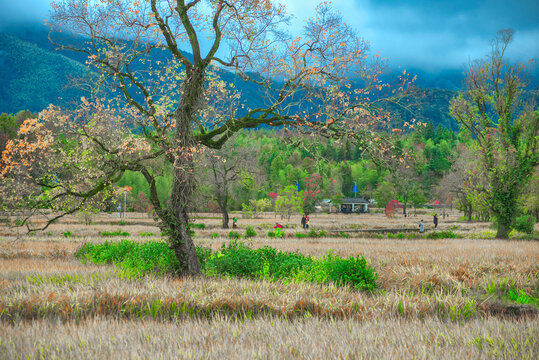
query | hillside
[34, 74]
[32, 77]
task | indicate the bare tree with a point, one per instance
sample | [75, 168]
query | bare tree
[306, 82]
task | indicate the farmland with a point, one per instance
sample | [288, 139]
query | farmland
[466, 297]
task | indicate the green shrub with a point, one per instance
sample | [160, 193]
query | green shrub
[525, 224]
[271, 234]
[146, 234]
[121, 222]
[234, 259]
[446, 234]
[250, 231]
[197, 226]
[400, 236]
[300, 235]
[214, 235]
[344, 235]
[322, 233]
[312, 233]
[234, 235]
[141, 258]
[276, 233]
[390, 236]
[68, 234]
[353, 271]
[114, 233]
[411, 235]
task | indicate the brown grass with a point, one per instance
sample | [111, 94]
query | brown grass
[271, 338]
[432, 301]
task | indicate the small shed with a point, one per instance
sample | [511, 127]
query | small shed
[354, 205]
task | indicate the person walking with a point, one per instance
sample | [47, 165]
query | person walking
[234, 223]
[421, 226]
[307, 222]
[435, 220]
[303, 221]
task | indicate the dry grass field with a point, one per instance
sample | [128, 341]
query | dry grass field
[436, 299]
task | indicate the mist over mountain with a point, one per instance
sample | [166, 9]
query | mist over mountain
[35, 74]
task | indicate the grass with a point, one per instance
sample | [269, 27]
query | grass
[451, 298]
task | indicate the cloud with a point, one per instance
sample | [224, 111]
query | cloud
[17, 11]
[437, 34]
[431, 34]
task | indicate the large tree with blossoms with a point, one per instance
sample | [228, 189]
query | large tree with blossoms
[169, 110]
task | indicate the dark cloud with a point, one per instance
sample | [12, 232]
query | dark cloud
[430, 34]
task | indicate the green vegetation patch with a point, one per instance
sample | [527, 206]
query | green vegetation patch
[235, 259]
[447, 234]
[114, 233]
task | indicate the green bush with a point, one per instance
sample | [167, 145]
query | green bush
[197, 226]
[146, 234]
[276, 233]
[344, 235]
[300, 235]
[446, 234]
[234, 259]
[353, 271]
[250, 231]
[214, 235]
[312, 233]
[68, 234]
[390, 236]
[142, 258]
[114, 233]
[400, 236]
[234, 235]
[525, 224]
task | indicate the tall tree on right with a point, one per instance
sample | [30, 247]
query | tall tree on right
[505, 127]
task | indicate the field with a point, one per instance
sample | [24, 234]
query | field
[467, 297]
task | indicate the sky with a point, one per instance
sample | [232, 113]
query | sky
[428, 34]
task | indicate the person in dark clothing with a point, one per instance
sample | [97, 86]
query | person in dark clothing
[435, 220]
[303, 221]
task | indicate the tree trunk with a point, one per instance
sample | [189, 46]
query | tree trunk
[177, 219]
[503, 231]
[223, 204]
[225, 219]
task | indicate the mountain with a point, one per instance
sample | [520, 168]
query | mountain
[34, 74]
[32, 77]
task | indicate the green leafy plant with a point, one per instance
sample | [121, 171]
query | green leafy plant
[68, 234]
[400, 236]
[446, 234]
[525, 224]
[234, 259]
[146, 234]
[214, 235]
[114, 233]
[234, 235]
[250, 231]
